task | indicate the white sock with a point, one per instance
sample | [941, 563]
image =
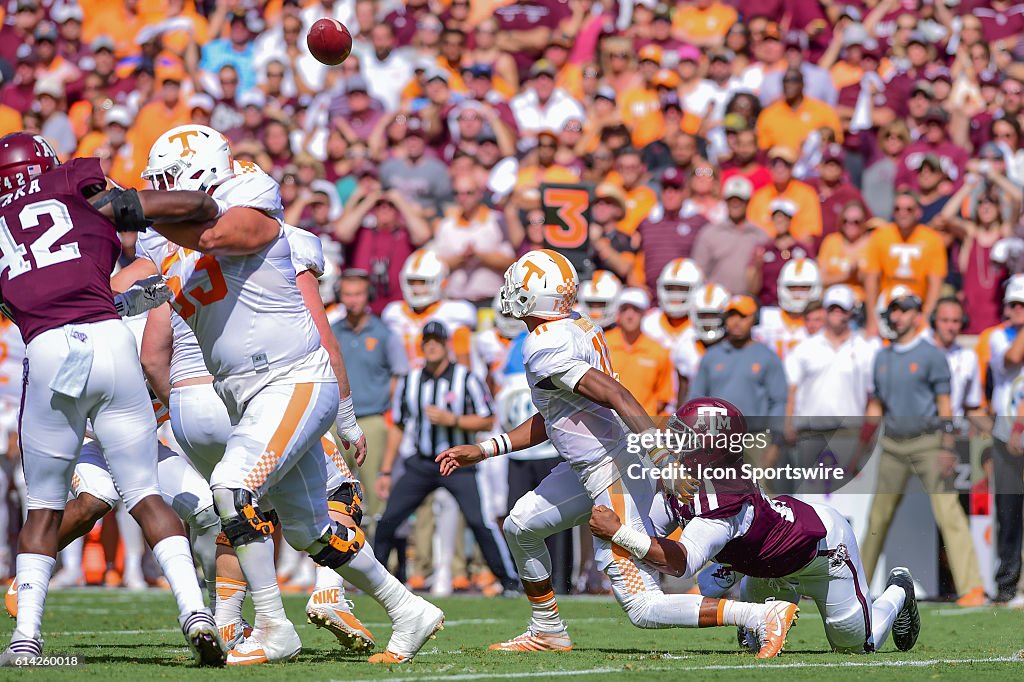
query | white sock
[230, 597]
[268, 605]
[175, 559]
[747, 614]
[257, 561]
[327, 578]
[33, 574]
[883, 613]
[134, 543]
[366, 573]
[544, 616]
[71, 557]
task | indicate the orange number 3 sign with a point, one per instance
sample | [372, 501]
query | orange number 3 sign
[570, 204]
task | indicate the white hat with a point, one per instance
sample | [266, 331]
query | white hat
[840, 295]
[201, 101]
[120, 115]
[783, 206]
[49, 86]
[738, 187]
[252, 98]
[635, 297]
[64, 13]
[1014, 289]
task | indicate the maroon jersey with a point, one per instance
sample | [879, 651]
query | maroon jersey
[782, 538]
[57, 251]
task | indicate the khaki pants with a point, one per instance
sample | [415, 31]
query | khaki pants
[918, 455]
[376, 432]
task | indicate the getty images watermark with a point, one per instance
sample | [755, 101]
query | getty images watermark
[721, 442]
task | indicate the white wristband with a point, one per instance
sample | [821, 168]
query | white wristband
[348, 428]
[498, 445]
[222, 208]
[636, 543]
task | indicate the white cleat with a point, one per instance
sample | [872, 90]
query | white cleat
[326, 609]
[20, 649]
[234, 632]
[64, 578]
[277, 641]
[531, 641]
[203, 638]
[411, 632]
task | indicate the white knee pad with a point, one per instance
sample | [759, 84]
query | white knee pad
[91, 476]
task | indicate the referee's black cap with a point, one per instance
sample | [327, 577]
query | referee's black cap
[435, 330]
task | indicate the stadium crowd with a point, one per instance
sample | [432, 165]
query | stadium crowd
[810, 158]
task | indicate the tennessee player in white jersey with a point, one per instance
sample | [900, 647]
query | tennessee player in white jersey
[236, 287]
[588, 416]
[706, 308]
[782, 328]
[678, 281]
[423, 280]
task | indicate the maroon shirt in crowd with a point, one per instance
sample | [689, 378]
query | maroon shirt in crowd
[782, 538]
[71, 291]
[832, 205]
[997, 24]
[952, 157]
[664, 237]
[377, 252]
[526, 16]
[982, 288]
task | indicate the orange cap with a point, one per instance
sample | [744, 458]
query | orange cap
[744, 305]
[651, 53]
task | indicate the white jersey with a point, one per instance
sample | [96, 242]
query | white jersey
[459, 317]
[590, 437]
[779, 330]
[686, 354]
[246, 311]
[186, 356]
[657, 325]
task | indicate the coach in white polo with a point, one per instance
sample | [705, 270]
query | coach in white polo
[829, 377]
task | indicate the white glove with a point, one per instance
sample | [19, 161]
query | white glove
[144, 295]
[348, 427]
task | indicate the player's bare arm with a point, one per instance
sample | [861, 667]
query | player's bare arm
[531, 432]
[240, 231]
[667, 556]
[157, 343]
[310, 290]
[607, 392]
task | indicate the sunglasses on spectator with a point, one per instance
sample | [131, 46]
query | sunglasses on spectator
[852, 221]
[537, 221]
[904, 209]
[573, 127]
[275, 74]
[547, 145]
[466, 192]
[591, 73]
[619, 55]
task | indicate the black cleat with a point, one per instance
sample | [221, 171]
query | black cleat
[907, 626]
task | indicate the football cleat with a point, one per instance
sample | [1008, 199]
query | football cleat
[409, 634]
[11, 599]
[276, 642]
[203, 638]
[18, 649]
[234, 632]
[907, 626]
[536, 641]
[778, 618]
[973, 597]
[326, 610]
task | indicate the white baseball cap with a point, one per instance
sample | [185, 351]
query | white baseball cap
[635, 297]
[840, 295]
[784, 206]
[738, 187]
[1014, 289]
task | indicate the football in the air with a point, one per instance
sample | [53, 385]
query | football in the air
[329, 41]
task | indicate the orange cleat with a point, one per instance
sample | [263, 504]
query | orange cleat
[416, 582]
[461, 583]
[778, 618]
[536, 641]
[11, 599]
[973, 597]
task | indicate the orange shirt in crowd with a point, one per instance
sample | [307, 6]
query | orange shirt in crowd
[807, 221]
[10, 120]
[835, 261]
[844, 74]
[905, 261]
[533, 176]
[703, 25]
[90, 143]
[639, 202]
[644, 368]
[640, 109]
[780, 125]
[153, 120]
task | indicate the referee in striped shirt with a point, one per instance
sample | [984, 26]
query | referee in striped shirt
[435, 408]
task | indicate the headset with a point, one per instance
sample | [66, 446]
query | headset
[965, 320]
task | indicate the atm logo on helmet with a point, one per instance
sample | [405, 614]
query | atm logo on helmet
[713, 419]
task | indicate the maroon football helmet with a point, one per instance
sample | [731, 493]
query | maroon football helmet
[24, 156]
[712, 430]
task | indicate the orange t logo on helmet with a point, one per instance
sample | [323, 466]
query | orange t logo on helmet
[531, 270]
[182, 137]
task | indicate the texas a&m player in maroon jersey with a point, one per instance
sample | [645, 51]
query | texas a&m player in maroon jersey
[786, 548]
[57, 251]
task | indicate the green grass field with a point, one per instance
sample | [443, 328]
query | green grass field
[132, 636]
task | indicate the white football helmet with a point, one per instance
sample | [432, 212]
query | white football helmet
[506, 325]
[706, 307]
[598, 297]
[678, 280]
[423, 278]
[540, 284]
[799, 284]
[189, 157]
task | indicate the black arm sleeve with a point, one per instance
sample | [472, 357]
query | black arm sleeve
[128, 214]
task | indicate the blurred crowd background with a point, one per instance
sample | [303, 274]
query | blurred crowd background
[877, 140]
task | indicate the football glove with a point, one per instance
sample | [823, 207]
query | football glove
[144, 295]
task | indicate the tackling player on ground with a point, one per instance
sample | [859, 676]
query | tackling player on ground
[786, 548]
[588, 416]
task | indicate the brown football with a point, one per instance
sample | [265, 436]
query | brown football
[329, 41]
